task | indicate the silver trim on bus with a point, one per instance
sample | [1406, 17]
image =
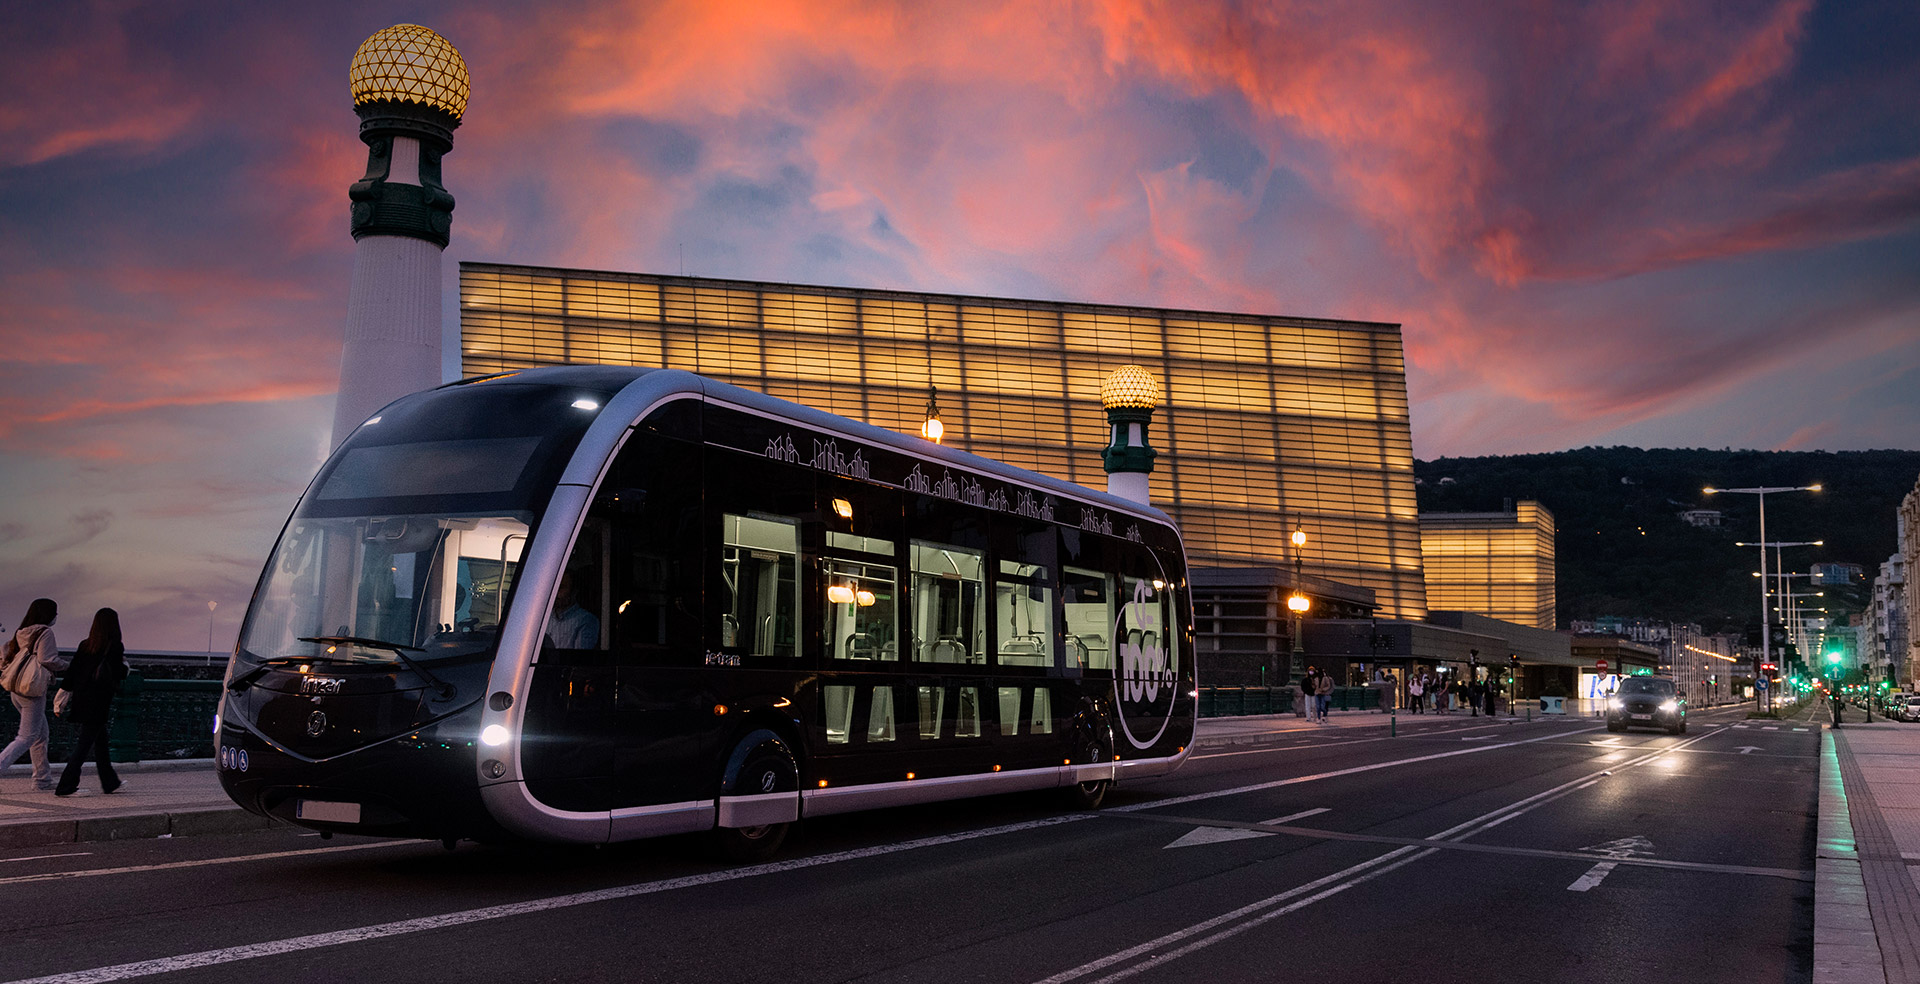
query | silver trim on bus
[871, 796]
[758, 809]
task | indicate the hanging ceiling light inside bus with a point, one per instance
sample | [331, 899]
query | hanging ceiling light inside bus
[864, 597]
[840, 594]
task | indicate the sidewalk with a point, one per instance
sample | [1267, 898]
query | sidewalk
[1866, 885]
[158, 799]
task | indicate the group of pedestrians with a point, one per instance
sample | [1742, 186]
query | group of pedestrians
[84, 695]
[1316, 690]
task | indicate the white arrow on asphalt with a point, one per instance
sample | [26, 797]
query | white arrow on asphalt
[1603, 741]
[1747, 749]
[1625, 847]
[1220, 835]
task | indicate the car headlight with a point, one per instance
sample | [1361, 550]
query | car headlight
[1616, 704]
[1670, 706]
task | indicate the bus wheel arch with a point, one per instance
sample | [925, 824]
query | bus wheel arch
[762, 762]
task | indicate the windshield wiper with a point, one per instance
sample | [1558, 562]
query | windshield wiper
[245, 680]
[441, 687]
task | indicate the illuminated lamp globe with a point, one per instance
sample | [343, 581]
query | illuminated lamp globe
[407, 63]
[1130, 387]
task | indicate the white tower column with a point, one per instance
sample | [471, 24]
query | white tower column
[1129, 395]
[410, 90]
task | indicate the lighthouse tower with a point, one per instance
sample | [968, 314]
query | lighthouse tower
[410, 90]
[1129, 395]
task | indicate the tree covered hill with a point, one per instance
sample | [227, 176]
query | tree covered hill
[1623, 550]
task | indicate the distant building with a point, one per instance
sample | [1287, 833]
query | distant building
[1701, 517]
[1830, 574]
[1884, 636]
[1267, 424]
[1496, 564]
[1908, 526]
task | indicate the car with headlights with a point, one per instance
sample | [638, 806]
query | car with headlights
[1647, 702]
[1909, 709]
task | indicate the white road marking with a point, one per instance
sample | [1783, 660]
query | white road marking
[1604, 741]
[1302, 815]
[1771, 727]
[1327, 886]
[201, 863]
[225, 955]
[1220, 835]
[1799, 729]
[1593, 877]
[43, 857]
[1747, 749]
[1257, 787]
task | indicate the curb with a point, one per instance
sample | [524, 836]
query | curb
[183, 823]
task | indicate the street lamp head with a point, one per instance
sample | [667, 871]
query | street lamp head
[1299, 538]
[1298, 603]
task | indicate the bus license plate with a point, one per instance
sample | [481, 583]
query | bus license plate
[327, 812]
[1643, 717]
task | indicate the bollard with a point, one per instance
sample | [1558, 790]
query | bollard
[1393, 724]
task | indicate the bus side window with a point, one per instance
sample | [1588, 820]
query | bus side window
[651, 601]
[1089, 613]
[860, 610]
[948, 603]
[760, 584]
[1023, 614]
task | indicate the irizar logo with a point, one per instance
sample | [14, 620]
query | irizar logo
[1144, 687]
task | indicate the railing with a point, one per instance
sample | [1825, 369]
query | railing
[152, 719]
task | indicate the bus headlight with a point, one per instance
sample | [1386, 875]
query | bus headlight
[494, 734]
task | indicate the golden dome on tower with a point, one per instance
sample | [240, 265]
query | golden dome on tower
[1130, 386]
[407, 63]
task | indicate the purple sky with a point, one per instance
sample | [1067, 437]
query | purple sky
[1650, 223]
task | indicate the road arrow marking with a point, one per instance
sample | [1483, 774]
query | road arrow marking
[1593, 877]
[1747, 749]
[1626, 847]
[1220, 835]
[1637, 846]
[1603, 741]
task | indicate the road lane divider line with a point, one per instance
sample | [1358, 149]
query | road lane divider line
[196, 863]
[44, 857]
[1224, 927]
[378, 931]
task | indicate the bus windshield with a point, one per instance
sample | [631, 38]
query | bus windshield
[431, 582]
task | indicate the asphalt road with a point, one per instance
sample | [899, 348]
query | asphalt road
[1468, 851]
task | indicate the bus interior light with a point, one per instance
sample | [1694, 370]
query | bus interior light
[840, 594]
[864, 597]
[719, 710]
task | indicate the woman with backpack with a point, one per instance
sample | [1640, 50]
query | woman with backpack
[99, 664]
[26, 669]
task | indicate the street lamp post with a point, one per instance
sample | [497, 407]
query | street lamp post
[1297, 602]
[1766, 648]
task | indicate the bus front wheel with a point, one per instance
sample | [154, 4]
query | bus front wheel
[1087, 795]
[765, 766]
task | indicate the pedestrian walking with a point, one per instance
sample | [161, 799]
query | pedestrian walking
[1307, 682]
[1322, 695]
[1416, 693]
[99, 664]
[29, 662]
[1476, 693]
[1441, 694]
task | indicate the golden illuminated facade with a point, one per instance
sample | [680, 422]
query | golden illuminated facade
[1497, 564]
[1265, 424]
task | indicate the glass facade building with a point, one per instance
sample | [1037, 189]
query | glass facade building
[1497, 564]
[1267, 424]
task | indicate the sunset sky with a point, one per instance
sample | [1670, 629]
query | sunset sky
[1653, 223]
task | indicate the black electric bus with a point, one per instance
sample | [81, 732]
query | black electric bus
[590, 604]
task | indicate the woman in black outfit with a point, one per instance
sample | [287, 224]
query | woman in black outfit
[99, 664]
